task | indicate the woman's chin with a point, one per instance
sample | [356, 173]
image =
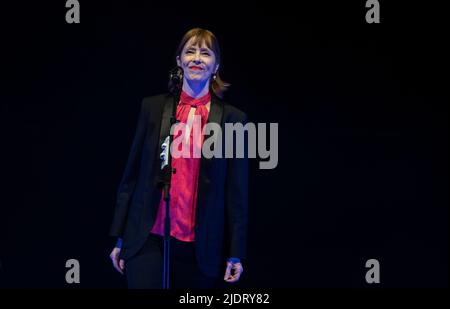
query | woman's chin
[196, 78]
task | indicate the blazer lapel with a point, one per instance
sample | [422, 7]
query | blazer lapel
[166, 114]
[165, 121]
[205, 173]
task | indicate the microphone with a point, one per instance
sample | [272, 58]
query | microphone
[176, 79]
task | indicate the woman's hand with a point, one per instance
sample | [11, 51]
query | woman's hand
[235, 265]
[118, 264]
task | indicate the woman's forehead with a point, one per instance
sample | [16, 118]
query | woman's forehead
[196, 42]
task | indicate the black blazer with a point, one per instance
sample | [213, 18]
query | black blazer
[221, 210]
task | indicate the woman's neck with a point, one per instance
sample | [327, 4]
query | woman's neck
[196, 89]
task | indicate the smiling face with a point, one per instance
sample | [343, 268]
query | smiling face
[197, 61]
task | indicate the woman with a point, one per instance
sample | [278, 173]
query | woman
[208, 197]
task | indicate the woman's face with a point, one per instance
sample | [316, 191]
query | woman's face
[198, 62]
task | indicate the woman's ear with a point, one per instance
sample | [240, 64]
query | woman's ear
[178, 61]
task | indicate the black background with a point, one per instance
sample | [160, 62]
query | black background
[363, 135]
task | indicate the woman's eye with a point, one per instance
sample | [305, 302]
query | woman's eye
[206, 54]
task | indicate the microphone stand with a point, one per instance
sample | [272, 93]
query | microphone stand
[175, 76]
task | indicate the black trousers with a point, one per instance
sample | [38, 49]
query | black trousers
[144, 270]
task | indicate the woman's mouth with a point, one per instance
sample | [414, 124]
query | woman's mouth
[196, 68]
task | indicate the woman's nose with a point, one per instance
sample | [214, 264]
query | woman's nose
[197, 57]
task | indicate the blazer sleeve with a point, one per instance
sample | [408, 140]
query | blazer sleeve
[236, 199]
[130, 175]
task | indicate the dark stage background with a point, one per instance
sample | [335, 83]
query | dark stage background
[363, 136]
